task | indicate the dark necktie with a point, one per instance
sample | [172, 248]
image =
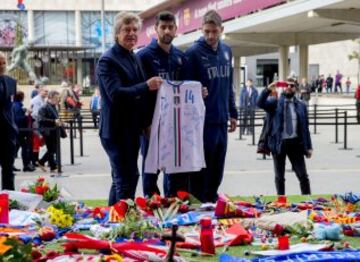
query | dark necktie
[288, 118]
[137, 67]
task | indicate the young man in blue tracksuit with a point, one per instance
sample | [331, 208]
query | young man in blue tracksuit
[208, 60]
[161, 58]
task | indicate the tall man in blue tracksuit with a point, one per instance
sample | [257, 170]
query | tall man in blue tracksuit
[161, 58]
[209, 61]
[8, 129]
[124, 92]
[288, 134]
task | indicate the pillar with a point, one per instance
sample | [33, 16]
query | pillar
[30, 22]
[236, 79]
[303, 61]
[78, 38]
[79, 72]
[283, 62]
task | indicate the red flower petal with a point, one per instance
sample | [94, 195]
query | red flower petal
[183, 195]
[141, 202]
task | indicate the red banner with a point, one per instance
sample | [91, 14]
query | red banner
[189, 14]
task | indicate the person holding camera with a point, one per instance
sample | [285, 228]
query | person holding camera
[289, 133]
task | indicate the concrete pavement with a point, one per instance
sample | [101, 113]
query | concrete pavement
[331, 169]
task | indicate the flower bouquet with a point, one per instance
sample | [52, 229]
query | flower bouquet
[61, 214]
[133, 225]
[41, 187]
[164, 208]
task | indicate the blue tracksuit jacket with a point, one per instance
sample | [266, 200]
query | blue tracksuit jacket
[214, 70]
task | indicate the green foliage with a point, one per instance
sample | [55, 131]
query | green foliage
[13, 204]
[65, 206]
[52, 194]
[354, 55]
[18, 252]
[300, 230]
[19, 34]
[95, 202]
[134, 226]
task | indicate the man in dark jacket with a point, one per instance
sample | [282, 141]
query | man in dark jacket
[8, 130]
[124, 92]
[208, 61]
[248, 98]
[48, 120]
[289, 135]
[329, 83]
[22, 120]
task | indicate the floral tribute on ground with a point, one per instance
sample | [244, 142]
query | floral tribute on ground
[173, 229]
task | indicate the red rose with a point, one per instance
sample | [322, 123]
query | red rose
[155, 201]
[183, 195]
[47, 233]
[183, 208]
[165, 202]
[70, 248]
[45, 187]
[156, 198]
[51, 254]
[278, 230]
[141, 202]
[35, 254]
[25, 190]
[39, 190]
[40, 180]
[121, 208]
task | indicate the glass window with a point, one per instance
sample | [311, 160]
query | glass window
[54, 28]
[8, 22]
[92, 31]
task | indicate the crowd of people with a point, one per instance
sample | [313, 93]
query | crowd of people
[331, 84]
[29, 127]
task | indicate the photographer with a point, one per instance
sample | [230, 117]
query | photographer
[289, 133]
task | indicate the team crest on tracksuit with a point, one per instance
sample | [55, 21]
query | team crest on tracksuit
[179, 60]
[226, 55]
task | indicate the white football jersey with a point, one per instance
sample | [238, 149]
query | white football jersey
[176, 139]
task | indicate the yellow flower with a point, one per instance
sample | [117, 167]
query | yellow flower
[115, 257]
[53, 220]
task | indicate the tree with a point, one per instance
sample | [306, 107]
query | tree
[19, 33]
[356, 55]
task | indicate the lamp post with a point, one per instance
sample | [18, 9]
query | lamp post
[103, 26]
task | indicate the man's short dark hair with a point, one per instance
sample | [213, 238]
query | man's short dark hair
[165, 16]
[19, 96]
[291, 79]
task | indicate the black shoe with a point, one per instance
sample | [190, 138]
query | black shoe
[16, 169]
[29, 169]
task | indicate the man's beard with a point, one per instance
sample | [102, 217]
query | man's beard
[166, 40]
[289, 95]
